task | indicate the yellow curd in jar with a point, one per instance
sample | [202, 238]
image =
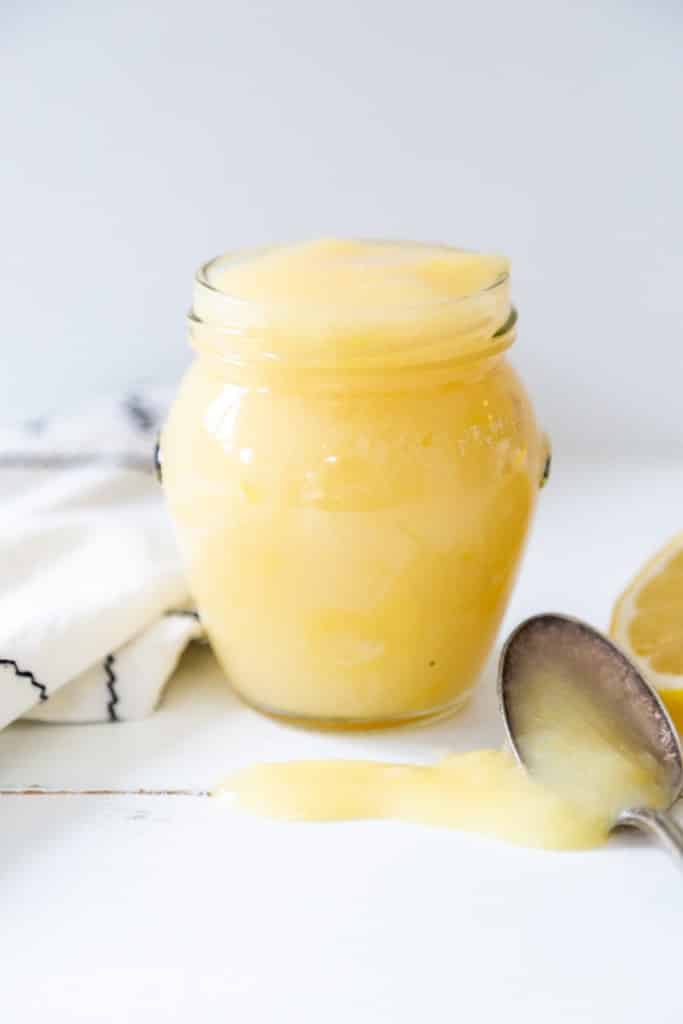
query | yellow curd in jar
[352, 466]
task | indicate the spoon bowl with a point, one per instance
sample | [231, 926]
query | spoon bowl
[552, 643]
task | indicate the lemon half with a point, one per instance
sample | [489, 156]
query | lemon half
[647, 623]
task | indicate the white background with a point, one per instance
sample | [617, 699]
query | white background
[138, 139]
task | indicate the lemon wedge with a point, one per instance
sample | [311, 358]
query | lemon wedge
[647, 623]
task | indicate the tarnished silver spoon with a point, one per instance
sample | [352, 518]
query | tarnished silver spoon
[589, 659]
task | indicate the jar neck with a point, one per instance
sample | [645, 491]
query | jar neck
[275, 377]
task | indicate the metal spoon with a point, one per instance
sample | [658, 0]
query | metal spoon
[624, 694]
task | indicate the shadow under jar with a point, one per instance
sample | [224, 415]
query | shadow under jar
[352, 465]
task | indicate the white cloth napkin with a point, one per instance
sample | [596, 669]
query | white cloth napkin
[94, 607]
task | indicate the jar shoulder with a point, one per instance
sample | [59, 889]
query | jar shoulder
[484, 420]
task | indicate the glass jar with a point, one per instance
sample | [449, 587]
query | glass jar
[352, 489]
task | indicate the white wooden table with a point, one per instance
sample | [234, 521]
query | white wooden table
[163, 908]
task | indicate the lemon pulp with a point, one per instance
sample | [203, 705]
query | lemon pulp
[656, 630]
[648, 623]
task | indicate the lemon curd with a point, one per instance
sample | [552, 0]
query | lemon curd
[587, 765]
[352, 467]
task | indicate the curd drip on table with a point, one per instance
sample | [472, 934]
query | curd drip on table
[590, 767]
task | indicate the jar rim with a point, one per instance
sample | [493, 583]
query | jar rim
[240, 329]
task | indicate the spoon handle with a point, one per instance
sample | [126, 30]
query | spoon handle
[659, 824]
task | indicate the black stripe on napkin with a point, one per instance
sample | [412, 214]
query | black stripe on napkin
[25, 674]
[111, 687]
[141, 415]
